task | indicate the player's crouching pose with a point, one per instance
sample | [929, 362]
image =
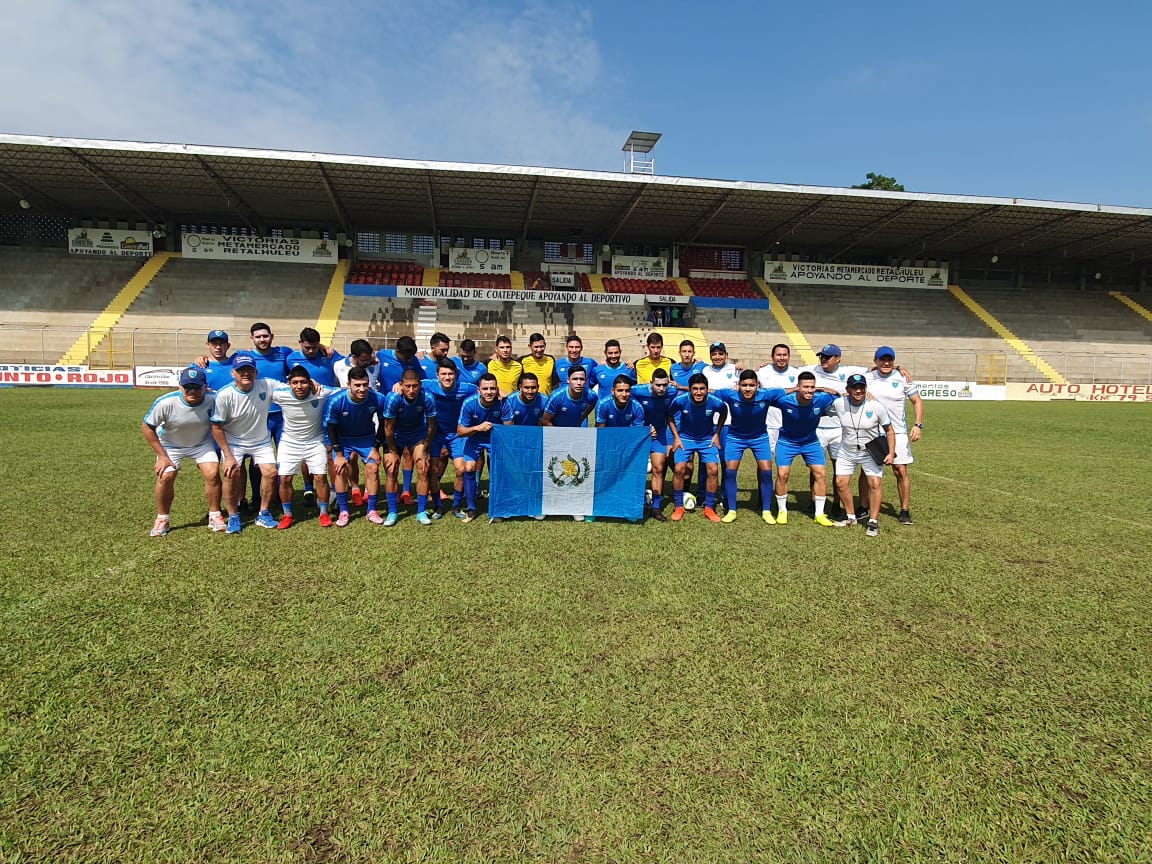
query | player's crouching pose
[351, 423]
[696, 418]
[478, 415]
[178, 426]
[409, 421]
[302, 440]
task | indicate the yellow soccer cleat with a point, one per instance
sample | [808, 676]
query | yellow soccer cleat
[782, 517]
[729, 516]
[767, 517]
[825, 521]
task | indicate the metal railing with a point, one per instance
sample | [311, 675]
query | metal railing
[123, 348]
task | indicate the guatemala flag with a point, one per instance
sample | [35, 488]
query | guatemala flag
[568, 472]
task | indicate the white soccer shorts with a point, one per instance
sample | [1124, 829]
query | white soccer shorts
[203, 452]
[773, 437]
[903, 455]
[849, 460]
[830, 440]
[262, 453]
[314, 455]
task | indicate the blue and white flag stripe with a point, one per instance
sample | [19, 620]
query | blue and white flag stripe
[568, 472]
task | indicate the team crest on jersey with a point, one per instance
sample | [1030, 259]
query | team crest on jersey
[868, 414]
[895, 384]
[263, 396]
[569, 472]
[315, 403]
[841, 376]
[791, 379]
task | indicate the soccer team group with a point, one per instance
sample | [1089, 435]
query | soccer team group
[338, 420]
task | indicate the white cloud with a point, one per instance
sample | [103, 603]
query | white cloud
[444, 80]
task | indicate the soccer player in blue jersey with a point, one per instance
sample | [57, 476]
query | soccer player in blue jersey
[801, 411]
[525, 407]
[178, 426]
[312, 356]
[438, 347]
[695, 419]
[655, 399]
[686, 368]
[410, 427]
[605, 373]
[470, 368]
[748, 407]
[217, 363]
[573, 356]
[271, 364]
[474, 437]
[351, 421]
[619, 409]
[449, 394]
[393, 364]
[571, 405]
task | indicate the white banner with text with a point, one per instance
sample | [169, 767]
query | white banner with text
[110, 241]
[858, 275]
[33, 375]
[635, 267]
[238, 247]
[464, 260]
[423, 292]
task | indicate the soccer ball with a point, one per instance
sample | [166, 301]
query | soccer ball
[647, 497]
[689, 501]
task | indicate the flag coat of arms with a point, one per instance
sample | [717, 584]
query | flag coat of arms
[568, 472]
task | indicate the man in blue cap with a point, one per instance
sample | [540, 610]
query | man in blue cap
[888, 384]
[177, 427]
[831, 374]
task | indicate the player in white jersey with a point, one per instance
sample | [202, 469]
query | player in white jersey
[177, 427]
[863, 421]
[360, 354]
[781, 374]
[721, 375]
[888, 384]
[302, 441]
[831, 375]
[240, 427]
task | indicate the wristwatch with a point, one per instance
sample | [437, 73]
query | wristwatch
[918, 425]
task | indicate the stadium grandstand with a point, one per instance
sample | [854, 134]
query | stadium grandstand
[117, 254]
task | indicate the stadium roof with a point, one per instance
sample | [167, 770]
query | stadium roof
[166, 183]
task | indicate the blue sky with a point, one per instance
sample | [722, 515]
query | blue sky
[1010, 99]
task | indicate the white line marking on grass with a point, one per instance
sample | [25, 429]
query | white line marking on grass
[1035, 501]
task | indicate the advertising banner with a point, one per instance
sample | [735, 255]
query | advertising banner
[858, 275]
[109, 241]
[1102, 392]
[167, 377]
[422, 292]
[957, 390]
[635, 267]
[236, 247]
[32, 375]
[464, 260]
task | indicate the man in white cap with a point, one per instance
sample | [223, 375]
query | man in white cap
[831, 375]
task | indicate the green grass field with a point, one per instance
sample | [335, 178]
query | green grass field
[973, 688]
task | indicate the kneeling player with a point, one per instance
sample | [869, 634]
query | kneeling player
[302, 440]
[696, 418]
[178, 426]
[409, 427]
[351, 422]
